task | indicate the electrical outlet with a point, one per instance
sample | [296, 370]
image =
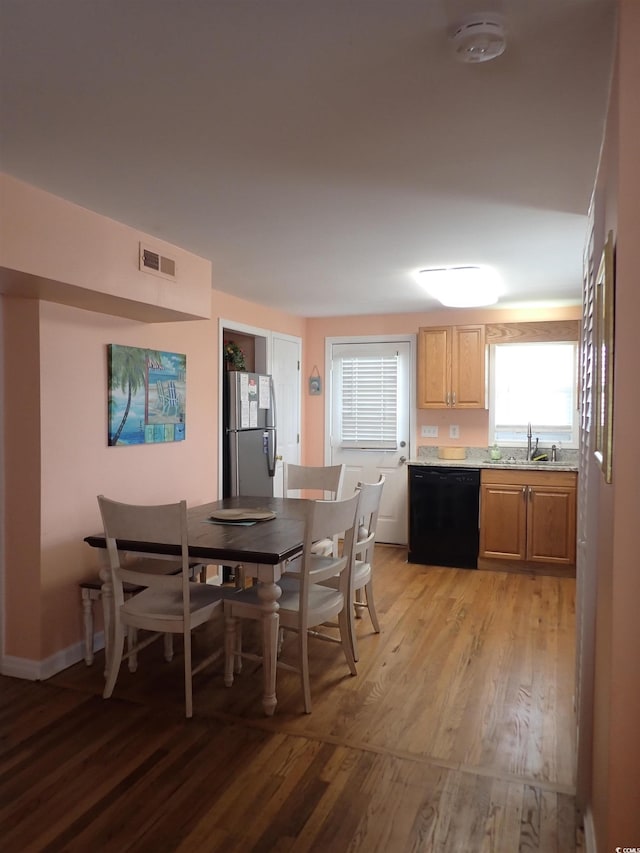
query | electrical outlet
[429, 431]
[454, 431]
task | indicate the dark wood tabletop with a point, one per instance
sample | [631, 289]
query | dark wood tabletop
[268, 542]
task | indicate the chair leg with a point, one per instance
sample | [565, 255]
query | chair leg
[372, 607]
[188, 690]
[280, 640]
[237, 665]
[345, 620]
[351, 616]
[132, 639]
[115, 659]
[230, 628]
[359, 601]
[168, 647]
[303, 647]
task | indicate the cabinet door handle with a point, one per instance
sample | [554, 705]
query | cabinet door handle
[524, 493]
[448, 399]
[454, 399]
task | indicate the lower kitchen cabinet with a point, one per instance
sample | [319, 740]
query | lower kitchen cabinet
[528, 515]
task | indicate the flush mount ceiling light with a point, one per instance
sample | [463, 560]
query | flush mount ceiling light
[461, 287]
[479, 38]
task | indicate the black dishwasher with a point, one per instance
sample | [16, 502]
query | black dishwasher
[444, 516]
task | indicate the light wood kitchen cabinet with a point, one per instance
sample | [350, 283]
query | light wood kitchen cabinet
[528, 515]
[451, 367]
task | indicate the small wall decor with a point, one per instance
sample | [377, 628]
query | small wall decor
[147, 395]
[315, 382]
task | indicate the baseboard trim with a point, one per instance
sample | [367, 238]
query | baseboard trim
[33, 670]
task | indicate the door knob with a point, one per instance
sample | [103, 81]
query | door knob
[403, 459]
[278, 458]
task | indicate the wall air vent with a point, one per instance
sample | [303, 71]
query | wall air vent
[157, 264]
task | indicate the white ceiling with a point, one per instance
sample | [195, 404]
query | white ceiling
[318, 152]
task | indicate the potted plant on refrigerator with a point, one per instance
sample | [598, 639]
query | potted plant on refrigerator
[234, 357]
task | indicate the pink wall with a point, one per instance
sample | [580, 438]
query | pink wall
[473, 424]
[56, 454]
[616, 737]
[22, 471]
[52, 249]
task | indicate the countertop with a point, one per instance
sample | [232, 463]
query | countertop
[478, 457]
[482, 463]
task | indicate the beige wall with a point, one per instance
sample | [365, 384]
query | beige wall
[616, 735]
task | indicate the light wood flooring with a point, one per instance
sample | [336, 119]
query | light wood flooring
[457, 736]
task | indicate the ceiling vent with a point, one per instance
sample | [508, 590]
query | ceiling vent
[480, 38]
[157, 264]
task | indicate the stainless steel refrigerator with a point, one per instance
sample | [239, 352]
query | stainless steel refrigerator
[249, 462]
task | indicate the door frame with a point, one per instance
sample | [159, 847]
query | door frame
[295, 339]
[264, 340]
[265, 352]
[370, 339]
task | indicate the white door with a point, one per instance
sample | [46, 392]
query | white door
[285, 369]
[369, 422]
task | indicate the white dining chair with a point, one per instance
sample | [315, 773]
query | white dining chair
[304, 604]
[318, 482]
[168, 603]
[362, 577]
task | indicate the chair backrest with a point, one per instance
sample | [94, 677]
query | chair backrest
[326, 520]
[368, 510]
[326, 480]
[172, 394]
[165, 523]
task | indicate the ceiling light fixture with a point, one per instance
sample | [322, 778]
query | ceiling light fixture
[479, 38]
[461, 287]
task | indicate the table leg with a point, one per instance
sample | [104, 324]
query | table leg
[269, 593]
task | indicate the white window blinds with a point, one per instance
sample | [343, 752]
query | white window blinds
[369, 401]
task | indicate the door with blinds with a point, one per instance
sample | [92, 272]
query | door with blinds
[370, 423]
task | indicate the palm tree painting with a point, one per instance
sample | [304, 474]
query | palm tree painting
[147, 392]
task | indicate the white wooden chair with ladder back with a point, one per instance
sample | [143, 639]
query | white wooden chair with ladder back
[305, 604]
[362, 580]
[168, 603]
[318, 482]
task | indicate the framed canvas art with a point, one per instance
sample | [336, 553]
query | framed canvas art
[147, 395]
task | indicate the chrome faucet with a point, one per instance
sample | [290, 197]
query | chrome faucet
[529, 438]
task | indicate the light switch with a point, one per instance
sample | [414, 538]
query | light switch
[454, 431]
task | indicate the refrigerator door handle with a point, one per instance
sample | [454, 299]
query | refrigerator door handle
[272, 447]
[271, 416]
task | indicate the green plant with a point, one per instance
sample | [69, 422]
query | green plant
[234, 356]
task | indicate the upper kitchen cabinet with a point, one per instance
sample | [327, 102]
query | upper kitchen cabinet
[451, 367]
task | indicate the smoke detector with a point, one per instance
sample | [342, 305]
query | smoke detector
[479, 39]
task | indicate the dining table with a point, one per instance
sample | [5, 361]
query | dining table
[263, 548]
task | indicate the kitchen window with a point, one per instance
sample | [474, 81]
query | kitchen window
[533, 383]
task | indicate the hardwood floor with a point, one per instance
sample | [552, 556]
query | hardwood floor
[457, 736]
